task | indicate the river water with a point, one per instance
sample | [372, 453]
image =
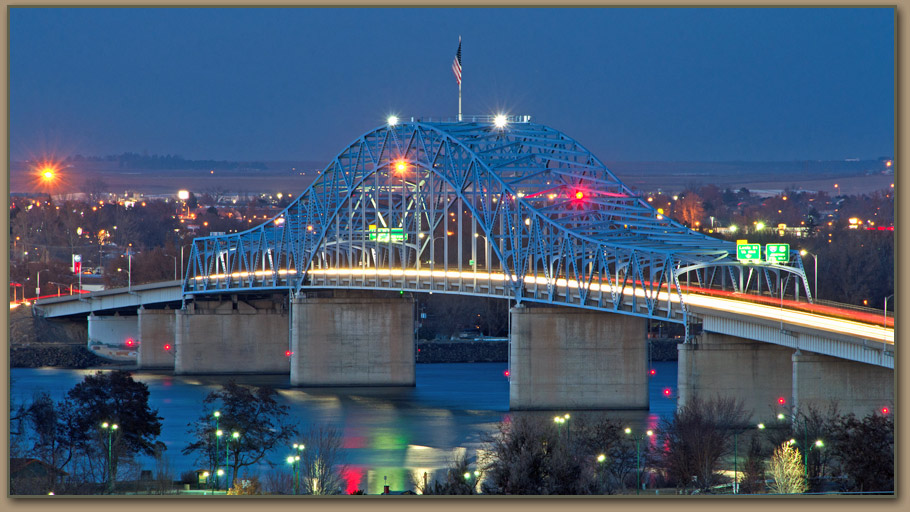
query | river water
[391, 435]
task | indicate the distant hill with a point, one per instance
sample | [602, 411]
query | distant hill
[157, 174]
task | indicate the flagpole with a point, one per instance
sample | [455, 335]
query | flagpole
[458, 59]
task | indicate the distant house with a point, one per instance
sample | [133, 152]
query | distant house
[33, 468]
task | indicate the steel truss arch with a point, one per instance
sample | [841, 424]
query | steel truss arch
[557, 226]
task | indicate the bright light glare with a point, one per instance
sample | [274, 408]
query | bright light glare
[500, 121]
[183, 195]
[47, 173]
[401, 166]
[392, 120]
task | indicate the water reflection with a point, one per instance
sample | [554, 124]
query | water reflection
[391, 436]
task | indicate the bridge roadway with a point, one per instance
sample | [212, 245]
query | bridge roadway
[833, 335]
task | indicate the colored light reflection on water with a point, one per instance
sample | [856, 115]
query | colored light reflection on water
[391, 436]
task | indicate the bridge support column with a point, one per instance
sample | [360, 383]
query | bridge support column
[110, 336]
[718, 364]
[157, 328]
[859, 388]
[232, 336]
[568, 358]
[352, 339]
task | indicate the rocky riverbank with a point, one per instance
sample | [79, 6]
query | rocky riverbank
[36, 342]
[56, 355]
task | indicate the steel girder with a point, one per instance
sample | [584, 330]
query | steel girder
[404, 207]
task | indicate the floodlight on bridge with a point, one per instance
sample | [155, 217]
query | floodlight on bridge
[500, 121]
[392, 120]
[401, 166]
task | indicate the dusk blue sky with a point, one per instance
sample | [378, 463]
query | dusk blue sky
[301, 84]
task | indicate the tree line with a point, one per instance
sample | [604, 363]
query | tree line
[131, 160]
[90, 440]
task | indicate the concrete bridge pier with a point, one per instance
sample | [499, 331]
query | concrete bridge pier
[230, 336]
[113, 330]
[569, 359]
[341, 338]
[760, 374]
[157, 329]
[859, 388]
[718, 364]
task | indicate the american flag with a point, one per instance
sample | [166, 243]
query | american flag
[456, 66]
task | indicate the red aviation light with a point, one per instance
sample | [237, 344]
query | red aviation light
[167, 347]
[781, 401]
[507, 373]
[652, 372]
[886, 411]
[668, 392]
[579, 195]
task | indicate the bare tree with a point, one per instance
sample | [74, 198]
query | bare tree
[95, 189]
[279, 481]
[787, 471]
[215, 194]
[458, 479]
[322, 461]
[753, 479]
[530, 455]
[697, 436]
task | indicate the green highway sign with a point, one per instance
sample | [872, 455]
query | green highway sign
[748, 252]
[387, 234]
[777, 253]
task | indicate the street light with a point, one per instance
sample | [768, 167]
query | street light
[885, 316]
[299, 447]
[638, 439]
[294, 461]
[181, 258]
[110, 427]
[559, 420]
[218, 433]
[235, 436]
[468, 475]
[38, 285]
[804, 252]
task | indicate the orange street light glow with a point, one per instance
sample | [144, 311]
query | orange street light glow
[401, 166]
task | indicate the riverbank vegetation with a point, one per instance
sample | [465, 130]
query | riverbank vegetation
[89, 442]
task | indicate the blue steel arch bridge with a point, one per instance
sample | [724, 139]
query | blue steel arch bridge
[492, 207]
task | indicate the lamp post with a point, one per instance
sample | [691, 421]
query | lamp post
[885, 315]
[218, 432]
[804, 252]
[129, 268]
[294, 461]
[110, 428]
[235, 436]
[38, 285]
[468, 475]
[299, 447]
[638, 439]
[559, 420]
[181, 258]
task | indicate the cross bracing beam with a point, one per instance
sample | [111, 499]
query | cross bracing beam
[525, 206]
